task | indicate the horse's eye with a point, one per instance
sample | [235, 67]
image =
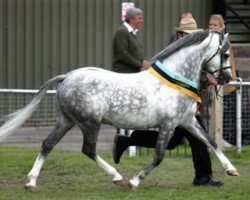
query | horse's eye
[226, 56]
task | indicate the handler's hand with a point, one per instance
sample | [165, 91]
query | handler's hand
[145, 64]
[211, 79]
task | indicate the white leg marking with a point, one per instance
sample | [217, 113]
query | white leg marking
[35, 171]
[224, 161]
[108, 168]
[135, 181]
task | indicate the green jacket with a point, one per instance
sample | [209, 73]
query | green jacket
[127, 52]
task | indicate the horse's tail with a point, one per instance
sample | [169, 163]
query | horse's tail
[17, 118]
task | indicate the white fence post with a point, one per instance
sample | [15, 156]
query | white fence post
[238, 115]
[131, 149]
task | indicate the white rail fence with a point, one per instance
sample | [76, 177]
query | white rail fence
[14, 99]
[236, 122]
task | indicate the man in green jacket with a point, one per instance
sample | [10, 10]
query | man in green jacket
[127, 49]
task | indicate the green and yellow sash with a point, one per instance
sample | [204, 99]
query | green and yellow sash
[175, 81]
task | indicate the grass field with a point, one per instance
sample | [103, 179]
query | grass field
[72, 176]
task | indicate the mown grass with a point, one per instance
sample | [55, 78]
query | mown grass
[70, 175]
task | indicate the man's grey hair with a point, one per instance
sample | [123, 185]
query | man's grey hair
[131, 12]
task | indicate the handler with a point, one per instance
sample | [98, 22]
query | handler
[148, 138]
[127, 48]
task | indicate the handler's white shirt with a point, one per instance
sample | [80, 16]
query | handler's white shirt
[130, 28]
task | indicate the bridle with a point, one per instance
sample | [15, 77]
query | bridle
[222, 59]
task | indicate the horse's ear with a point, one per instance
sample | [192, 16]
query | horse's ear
[224, 37]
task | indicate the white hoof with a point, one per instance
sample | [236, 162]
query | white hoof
[132, 186]
[233, 172]
[134, 183]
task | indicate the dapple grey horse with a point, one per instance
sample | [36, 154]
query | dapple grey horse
[88, 97]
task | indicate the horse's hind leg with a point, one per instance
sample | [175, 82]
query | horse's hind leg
[90, 132]
[62, 126]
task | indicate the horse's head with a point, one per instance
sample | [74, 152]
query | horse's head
[217, 62]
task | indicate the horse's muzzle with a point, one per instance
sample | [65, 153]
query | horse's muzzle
[225, 78]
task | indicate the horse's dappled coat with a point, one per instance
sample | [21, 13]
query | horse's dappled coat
[90, 96]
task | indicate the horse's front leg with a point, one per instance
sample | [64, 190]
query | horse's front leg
[200, 133]
[162, 142]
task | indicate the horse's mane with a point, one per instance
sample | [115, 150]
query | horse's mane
[188, 40]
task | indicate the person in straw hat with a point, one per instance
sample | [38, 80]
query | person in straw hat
[183, 15]
[148, 138]
[187, 25]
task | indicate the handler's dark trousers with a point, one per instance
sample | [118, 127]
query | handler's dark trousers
[200, 155]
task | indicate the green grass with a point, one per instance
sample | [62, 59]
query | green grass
[72, 176]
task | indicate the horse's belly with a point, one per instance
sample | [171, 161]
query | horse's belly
[131, 121]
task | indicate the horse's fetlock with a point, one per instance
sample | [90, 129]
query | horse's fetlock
[142, 176]
[31, 176]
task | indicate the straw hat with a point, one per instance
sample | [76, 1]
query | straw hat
[188, 25]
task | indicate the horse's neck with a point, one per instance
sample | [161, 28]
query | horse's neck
[186, 62]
